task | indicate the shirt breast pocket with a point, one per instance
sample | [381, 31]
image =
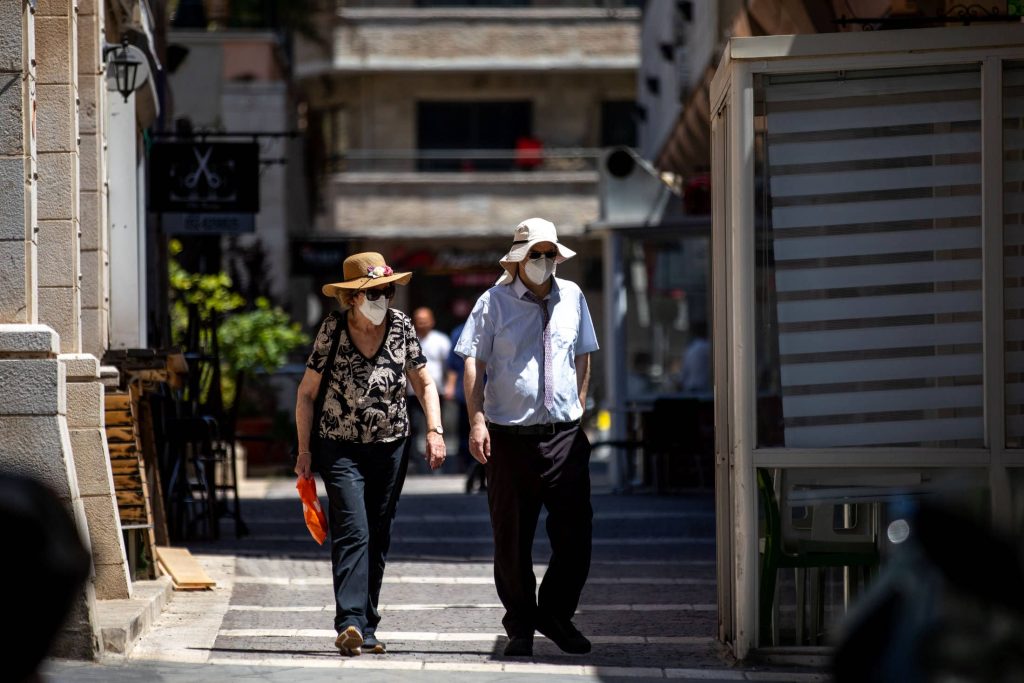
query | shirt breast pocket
[564, 337]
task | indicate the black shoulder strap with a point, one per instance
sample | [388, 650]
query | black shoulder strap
[321, 394]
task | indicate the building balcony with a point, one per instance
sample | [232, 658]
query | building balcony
[539, 37]
[396, 194]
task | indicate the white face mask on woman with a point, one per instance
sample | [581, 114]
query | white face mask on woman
[540, 269]
[374, 310]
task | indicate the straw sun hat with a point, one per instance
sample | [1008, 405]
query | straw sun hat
[528, 233]
[366, 269]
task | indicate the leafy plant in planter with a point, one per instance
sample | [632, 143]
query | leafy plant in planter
[252, 339]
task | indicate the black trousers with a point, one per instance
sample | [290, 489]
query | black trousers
[363, 483]
[523, 474]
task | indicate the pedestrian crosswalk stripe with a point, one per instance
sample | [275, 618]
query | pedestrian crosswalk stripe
[406, 518]
[527, 668]
[433, 607]
[441, 636]
[487, 540]
[471, 580]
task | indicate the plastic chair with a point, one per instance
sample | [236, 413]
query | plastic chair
[813, 545]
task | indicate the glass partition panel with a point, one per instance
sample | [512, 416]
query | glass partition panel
[868, 251]
[827, 535]
[667, 347]
[1013, 249]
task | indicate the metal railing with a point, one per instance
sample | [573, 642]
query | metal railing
[558, 160]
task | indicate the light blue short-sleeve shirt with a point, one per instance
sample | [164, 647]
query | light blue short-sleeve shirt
[506, 332]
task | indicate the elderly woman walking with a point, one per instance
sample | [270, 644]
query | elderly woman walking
[353, 427]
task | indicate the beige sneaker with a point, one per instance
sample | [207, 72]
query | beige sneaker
[349, 642]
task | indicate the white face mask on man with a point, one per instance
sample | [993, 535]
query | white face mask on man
[539, 270]
[374, 310]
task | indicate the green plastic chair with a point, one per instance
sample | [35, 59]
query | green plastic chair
[774, 556]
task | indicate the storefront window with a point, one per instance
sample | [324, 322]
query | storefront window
[667, 350]
[869, 323]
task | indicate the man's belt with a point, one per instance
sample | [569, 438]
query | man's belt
[546, 429]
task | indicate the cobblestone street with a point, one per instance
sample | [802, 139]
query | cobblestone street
[649, 606]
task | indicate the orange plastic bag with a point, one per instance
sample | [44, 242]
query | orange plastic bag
[315, 520]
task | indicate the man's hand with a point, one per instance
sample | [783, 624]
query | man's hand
[302, 465]
[435, 451]
[480, 443]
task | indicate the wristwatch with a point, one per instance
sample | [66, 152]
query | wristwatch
[438, 429]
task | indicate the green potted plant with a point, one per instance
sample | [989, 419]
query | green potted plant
[253, 341]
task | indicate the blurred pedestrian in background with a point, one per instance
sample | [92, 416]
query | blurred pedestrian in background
[454, 391]
[353, 431]
[436, 347]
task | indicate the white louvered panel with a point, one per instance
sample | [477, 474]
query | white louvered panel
[1013, 139]
[907, 432]
[1013, 266]
[1015, 393]
[874, 116]
[1015, 425]
[879, 211]
[889, 401]
[1014, 329]
[1013, 235]
[871, 243]
[872, 338]
[860, 149]
[922, 367]
[1013, 171]
[1013, 107]
[1013, 202]
[1013, 297]
[945, 108]
[871, 87]
[822, 183]
[871, 307]
[1015, 361]
[803, 279]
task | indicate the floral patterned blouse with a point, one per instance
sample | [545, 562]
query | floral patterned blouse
[365, 399]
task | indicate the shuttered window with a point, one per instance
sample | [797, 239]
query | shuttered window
[869, 293]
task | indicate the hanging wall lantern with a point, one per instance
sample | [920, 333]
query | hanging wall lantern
[125, 68]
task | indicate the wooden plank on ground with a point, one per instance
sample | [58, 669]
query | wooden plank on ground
[183, 569]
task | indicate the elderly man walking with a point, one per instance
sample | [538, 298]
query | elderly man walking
[531, 336]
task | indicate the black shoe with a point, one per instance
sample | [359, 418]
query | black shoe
[519, 646]
[564, 635]
[372, 645]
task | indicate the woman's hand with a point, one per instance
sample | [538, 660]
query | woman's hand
[435, 452]
[302, 465]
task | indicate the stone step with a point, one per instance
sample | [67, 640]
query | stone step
[122, 622]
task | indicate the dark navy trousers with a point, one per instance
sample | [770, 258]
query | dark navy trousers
[363, 483]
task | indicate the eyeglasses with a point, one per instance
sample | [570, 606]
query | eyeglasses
[376, 293]
[534, 255]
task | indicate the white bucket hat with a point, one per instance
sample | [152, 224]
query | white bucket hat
[528, 233]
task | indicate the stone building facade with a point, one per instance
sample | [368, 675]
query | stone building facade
[54, 293]
[423, 119]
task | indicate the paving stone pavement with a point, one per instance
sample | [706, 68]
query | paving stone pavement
[649, 607]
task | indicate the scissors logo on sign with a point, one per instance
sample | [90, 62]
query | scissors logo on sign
[202, 169]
